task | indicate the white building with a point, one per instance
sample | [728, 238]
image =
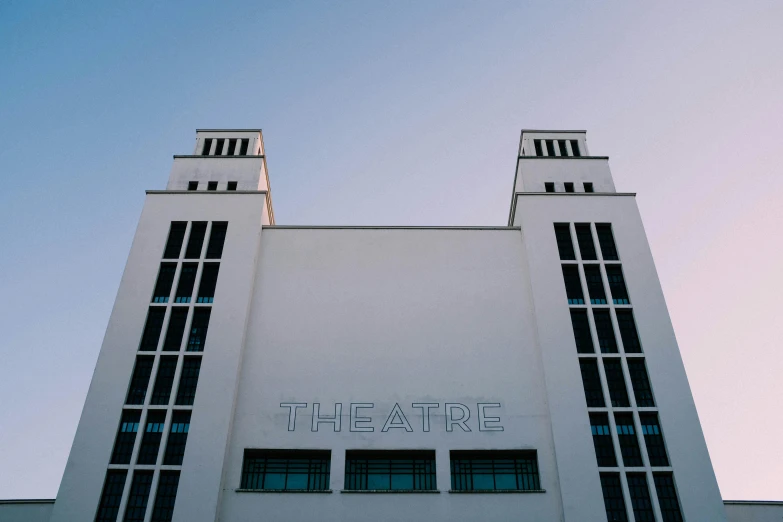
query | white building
[253, 371]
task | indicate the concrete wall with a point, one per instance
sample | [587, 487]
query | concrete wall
[753, 511]
[26, 510]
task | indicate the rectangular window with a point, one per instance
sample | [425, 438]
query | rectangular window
[628, 332]
[197, 232]
[539, 148]
[595, 284]
[231, 185]
[581, 326]
[207, 147]
[175, 240]
[569, 187]
[140, 380]
[640, 382]
[179, 316]
[640, 497]
[153, 432]
[152, 329]
[178, 437]
[163, 510]
[653, 439]
[584, 236]
[111, 495]
[573, 285]
[606, 240]
[614, 274]
[667, 497]
[616, 383]
[216, 239]
[629, 444]
[163, 285]
[198, 329]
[219, 147]
[494, 471]
[298, 470]
[138, 497]
[588, 187]
[126, 437]
[390, 470]
[605, 331]
[212, 185]
[550, 147]
[187, 279]
[563, 149]
[232, 147]
[206, 290]
[164, 381]
[243, 148]
[602, 440]
[564, 244]
[549, 186]
[192, 185]
[613, 497]
[186, 392]
[575, 148]
[591, 380]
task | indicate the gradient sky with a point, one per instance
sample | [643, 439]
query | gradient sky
[392, 113]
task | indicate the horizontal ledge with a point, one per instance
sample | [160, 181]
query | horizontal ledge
[359, 227]
[385, 491]
[27, 501]
[631, 194]
[283, 490]
[228, 130]
[223, 192]
[750, 502]
[179, 156]
[564, 157]
[483, 491]
[554, 131]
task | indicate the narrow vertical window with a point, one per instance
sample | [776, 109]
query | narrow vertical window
[595, 284]
[109, 506]
[606, 240]
[187, 279]
[604, 331]
[581, 326]
[243, 148]
[153, 432]
[232, 147]
[569, 187]
[584, 236]
[179, 316]
[163, 285]
[212, 185]
[164, 381]
[188, 381]
[613, 497]
[549, 186]
[617, 285]
[573, 284]
[640, 497]
[588, 187]
[629, 443]
[140, 380]
[198, 329]
[575, 148]
[126, 437]
[539, 148]
[667, 497]
[163, 510]
[615, 381]
[152, 329]
[642, 390]
[653, 439]
[197, 232]
[602, 440]
[207, 147]
[628, 332]
[192, 185]
[563, 149]
[206, 290]
[217, 237]
[591, 381]
[564, 244]
[178, 438]
[175, 240]
[219, 147]
[231, 185]
[138, 497]
[550, 147]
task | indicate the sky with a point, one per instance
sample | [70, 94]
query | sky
[392, 113]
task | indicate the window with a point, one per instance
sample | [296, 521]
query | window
[575, 148]
[591, 381]
[163, 285]
[150, 442]
[207, 147]
[602, 440]
[628, 332]
[605, 331]
[188, 381]
[198, 329]
[617, 285]
[126, 437]
[550, 147]
[206, 290]
[494, 471]
[179, 316]
[629, 444]
[539, 149]
[581, 326]
[212, 185]
[562, 145]
[197, 232]
[584, 236]
[569, 187]
[564, 244]
[588, 187]
[243, 148]
[667, 497]
[187, 278]
[390, 470]
[297, 470]
[192, 185]
[613, 497]
[232, 147]
[163, 510]
[216, 239]
[616, 383]
[606, 240]
[140, 380]
[152, 329]
[595, 285]
[219, 147]
[111, 495]
[232, 185]
[641, 384]
[653, 439]
[549, 186]
[138, 497]
[176, 237]
[640, 497]
[178, 437]
[165, 379]
[573, 285]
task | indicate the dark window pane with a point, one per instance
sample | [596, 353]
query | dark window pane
[232, 146]
[629, 444]
[653, 439]
[216, 239]
[179, 316]
[617, 284]
[588, 187]
[549, 186]
[197, 232]
[494, 470]
[286, 470]
[163, 510]
[207, 147]
[640, 497]
[613, 497]
[581, 326]
[165, 280]
[575, 148]
[667, 497]
[605, 331]
[178, 437]
[606, 240]
[563, 149]
[206, 290]
[152, 329]
[573, 285]
[232, 185]
[616, 383]
[153, 432]
[212, 185]
[192, 185]
[140, 380]
[390, 470]
[569, 187]
[188, 381]
[641, 383]
[126, 437]
[550, 147]
[138, 497]
[219, 147]
[602, 440]
[539, 150]
[111, 495]
[187, 279]
[591, 380]
[198, 329]
[564, 244]
[595, 285]
[175, 240]
[628, 332]
[164, 380]
[243, 148]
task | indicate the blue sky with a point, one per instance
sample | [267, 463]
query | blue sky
[404, 113]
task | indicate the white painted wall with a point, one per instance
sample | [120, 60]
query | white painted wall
[739, 511]
[25, 510]
[533, 172]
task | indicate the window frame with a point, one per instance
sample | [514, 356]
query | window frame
[318, 466]
[364, 467]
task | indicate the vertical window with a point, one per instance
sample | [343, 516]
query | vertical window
[653, 439]
[595, 285]
[165, 379]
[150, 442]
[243, 148]
[569, 187]
[640, 497]
[606, 240]
[192, 185]
[667, 497]
[188, 381]
[111, 495]
[163, 285]
[174, 242]
[573, 285]
[613, 497]
[232, 185]
[563, 149]
[163, 510]
[216, 239]
[575, 148]
[178, 437]
[494, 470]
[640, 382]
[604, 330]
[581, 326]
[564, 244]
[206, 290]
[138, 497]
[591, 381]
[617, 285]
[197, 232]
[232, 147]
[212, 185]
[390, 470]
[187, 278]
[628, 332]
[179, 316]
[207, 147]
[629, 444]
[140, 380]
[616, 383]
[219, 147]
[550, 147]
[539, 148]
[198, 329]
[300, 470]
[584, 236]
[602, 440]
[549, 186]
[152, 329]
[126, 437]
[588, 187]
